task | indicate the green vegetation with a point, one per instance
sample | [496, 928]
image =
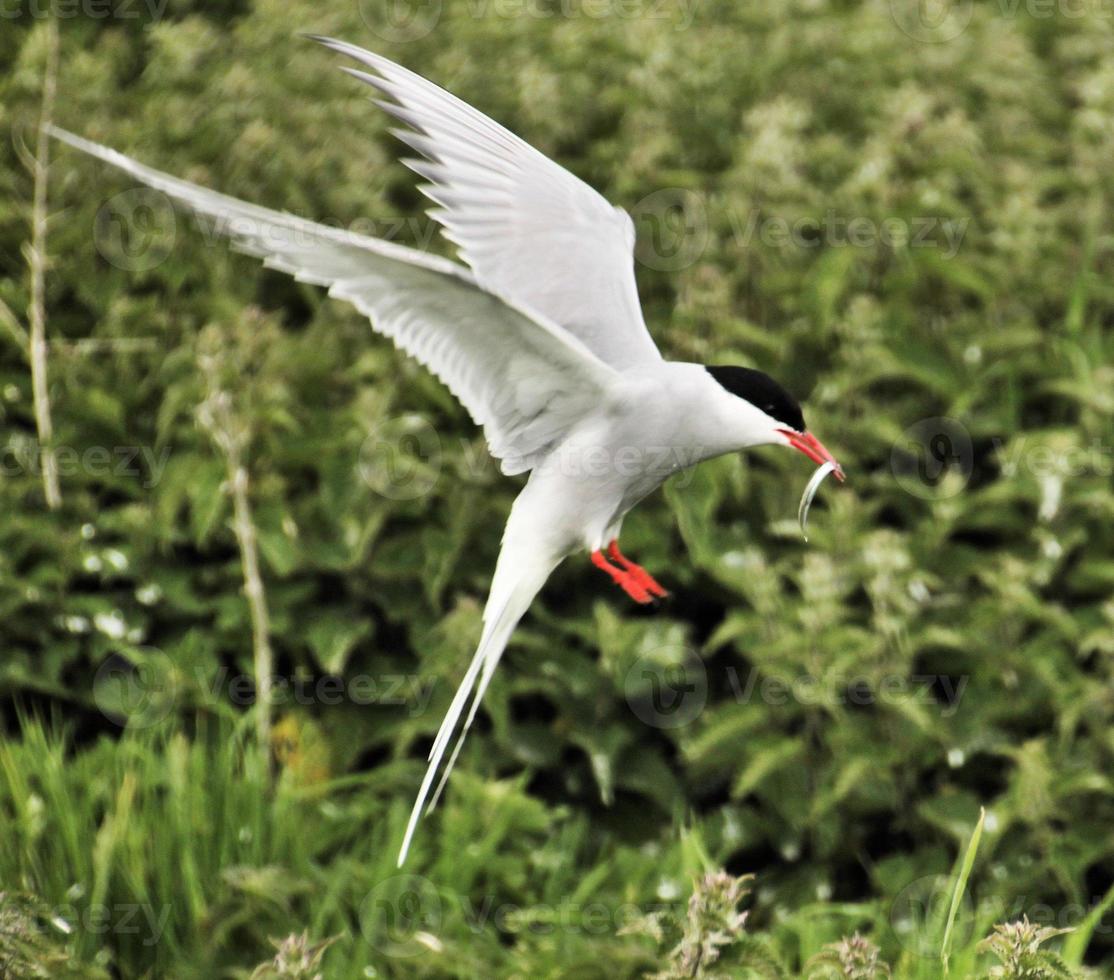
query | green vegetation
[779, 772]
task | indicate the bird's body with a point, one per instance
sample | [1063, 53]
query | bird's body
[541, 338]
[660, 418]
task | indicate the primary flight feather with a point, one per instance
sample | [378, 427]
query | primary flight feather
[541, 338]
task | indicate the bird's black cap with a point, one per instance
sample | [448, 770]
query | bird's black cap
[762, 391]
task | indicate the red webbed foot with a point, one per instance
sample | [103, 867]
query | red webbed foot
[637, 572]
[623, 578]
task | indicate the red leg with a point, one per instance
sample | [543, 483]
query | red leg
[622, 578]
[637, 572]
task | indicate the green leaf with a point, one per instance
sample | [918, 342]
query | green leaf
[333, 635]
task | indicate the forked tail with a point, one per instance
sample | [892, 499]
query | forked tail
[519, 575]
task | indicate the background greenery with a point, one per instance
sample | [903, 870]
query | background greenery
[583, 813]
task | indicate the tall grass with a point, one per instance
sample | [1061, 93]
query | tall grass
[169, 853]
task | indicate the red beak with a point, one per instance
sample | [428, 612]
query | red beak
[814, 449]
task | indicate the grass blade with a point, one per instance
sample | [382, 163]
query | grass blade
[961, 887]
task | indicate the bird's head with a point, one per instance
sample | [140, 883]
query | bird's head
[771, 416]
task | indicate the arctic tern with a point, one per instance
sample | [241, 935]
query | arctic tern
[540, 336]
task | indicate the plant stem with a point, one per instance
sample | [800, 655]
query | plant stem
[262, 654]
[37, 259]
[228, 421]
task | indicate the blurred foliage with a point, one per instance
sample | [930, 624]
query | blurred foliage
[907, 224]
[297, 959]
[32, 945]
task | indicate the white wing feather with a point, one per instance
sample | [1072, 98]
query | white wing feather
[523, 378]
[530, 230]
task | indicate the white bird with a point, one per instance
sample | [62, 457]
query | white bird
[541, 337]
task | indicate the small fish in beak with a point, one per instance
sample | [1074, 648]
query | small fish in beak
[831, 466]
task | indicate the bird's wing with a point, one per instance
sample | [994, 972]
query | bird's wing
[523, 378]
[529, 229]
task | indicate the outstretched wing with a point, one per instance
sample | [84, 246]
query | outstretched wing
[529, 229]
[523, 378]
